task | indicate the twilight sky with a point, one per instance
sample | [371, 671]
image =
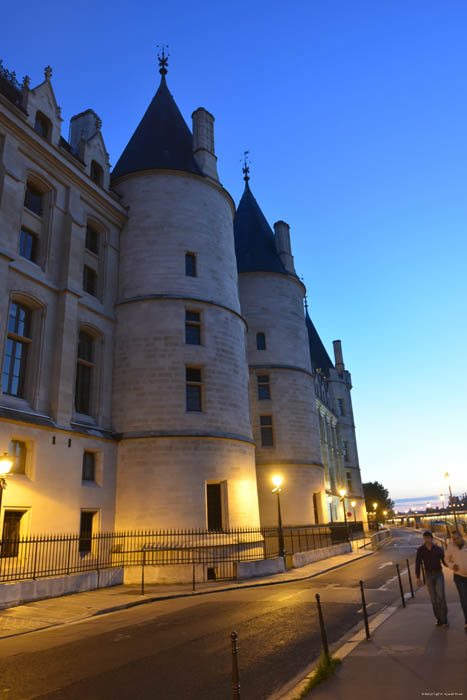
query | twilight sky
[355, 115]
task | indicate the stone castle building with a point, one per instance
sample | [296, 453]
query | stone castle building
[158, 367]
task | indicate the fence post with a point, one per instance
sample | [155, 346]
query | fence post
[400, 585]
[410, 579]
[97, 560]
[35, 560]
[194, 576]
[142, 571]
[235, 676]
[364, 610]
[324, 638]
[68, 556]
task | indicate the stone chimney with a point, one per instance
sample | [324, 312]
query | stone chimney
[83, 126]
[338, 357]
[282, 238]
[203, 142]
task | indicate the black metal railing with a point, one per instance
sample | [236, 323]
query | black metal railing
[54, 555]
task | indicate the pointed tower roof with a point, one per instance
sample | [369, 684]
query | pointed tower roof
[255, 246]
[319, 356]
[162, 140]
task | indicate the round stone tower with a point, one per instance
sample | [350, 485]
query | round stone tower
[180, 396]
[282, 396]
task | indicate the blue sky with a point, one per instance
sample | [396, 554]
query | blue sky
[355, 115]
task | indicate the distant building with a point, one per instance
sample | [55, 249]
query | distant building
[157, 365]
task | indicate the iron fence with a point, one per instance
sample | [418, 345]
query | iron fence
[216, 551]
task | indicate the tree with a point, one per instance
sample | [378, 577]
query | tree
[376, 493]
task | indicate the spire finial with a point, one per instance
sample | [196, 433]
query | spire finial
[306, 303]
[163, 59]
[246, 166]
[47, 73]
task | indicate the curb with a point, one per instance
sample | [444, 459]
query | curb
[191, 594]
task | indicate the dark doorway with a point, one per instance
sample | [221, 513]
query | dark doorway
[214, 503]
[11, 533]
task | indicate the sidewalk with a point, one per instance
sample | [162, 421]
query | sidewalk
[80, 606]
[407, 656]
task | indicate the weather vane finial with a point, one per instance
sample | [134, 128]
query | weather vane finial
[163, 59]
[246, 166]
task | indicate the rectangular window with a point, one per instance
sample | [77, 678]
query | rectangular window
[85, 531]
[28, 245]
[267, 438]
[84, 371]
[18, 452]
[349, 482]
[92, 240]
[340, 407]
[89, 280]
[16, 350]
[345, 449]
[89, 466]
[192, 328]
[33, 199]
[11, 533]
[190, 265]
[193, 389]
[264, 391]
[214, 506]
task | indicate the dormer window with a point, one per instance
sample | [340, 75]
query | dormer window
[92, 240]
[43, 126]
[33, 199]
[97, 173]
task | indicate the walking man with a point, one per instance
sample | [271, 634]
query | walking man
[456, 558]
[432, 557]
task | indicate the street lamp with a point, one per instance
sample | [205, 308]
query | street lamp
[353, 504]
[342, 494]
[330, 506]
[277, 481]
[446, 476]
[5, 466]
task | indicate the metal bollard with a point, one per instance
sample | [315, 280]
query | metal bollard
[235, 676]
[324, 638]
[410, 579]
[365, 613]
[400, 585]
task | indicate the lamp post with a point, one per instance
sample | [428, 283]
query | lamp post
[5, 466]
[375, 506]
[353, 504]
[441, 498]
[342, 494]
[446, 476]
[277, 481]
[330, 506]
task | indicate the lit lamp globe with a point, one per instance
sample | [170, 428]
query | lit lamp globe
[375, 505]
[353, 503]
[277, 481]
[329, 499]
[5, 464]
[342, 493]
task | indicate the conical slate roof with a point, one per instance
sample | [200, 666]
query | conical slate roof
[254, 239]
[162, 140]
[319, 357]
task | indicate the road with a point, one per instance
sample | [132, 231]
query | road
[180, 649]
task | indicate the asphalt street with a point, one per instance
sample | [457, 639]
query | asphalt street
[180, 649]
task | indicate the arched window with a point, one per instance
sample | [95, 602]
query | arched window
[85, 372]
[17, 350]
[260, 341]
[33, 199]
[43, 126]
[97, 173]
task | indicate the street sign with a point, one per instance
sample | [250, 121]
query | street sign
[349, 515]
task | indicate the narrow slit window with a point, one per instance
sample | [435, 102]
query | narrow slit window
[267, 437]
[264, 391]
[18, 452]
[97, 173]
[34, 199]
[192, 328]
[260, 341]
[92, 240]
[190, 265]
[89, 466]
[214, 506]
[90, 280]
[28, 245]
[84, 373]
[193, 389]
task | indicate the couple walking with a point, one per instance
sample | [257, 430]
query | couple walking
[433, 557]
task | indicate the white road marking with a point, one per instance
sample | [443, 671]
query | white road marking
[388, 563]
[367, 605]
